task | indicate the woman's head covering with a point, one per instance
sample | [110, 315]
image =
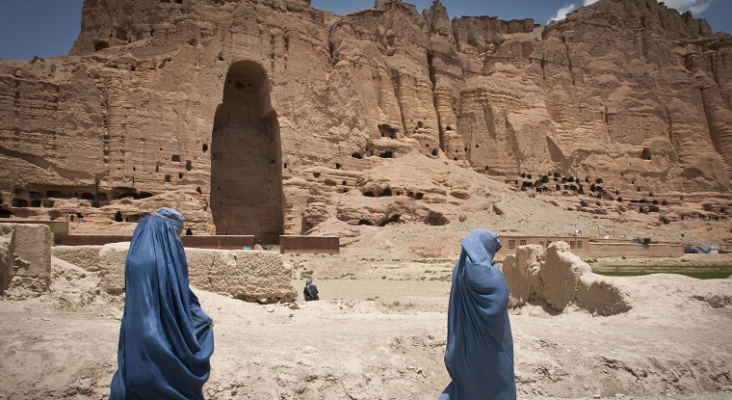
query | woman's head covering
[308, 281]
[479, 354]
[481, 246]
[173, 217]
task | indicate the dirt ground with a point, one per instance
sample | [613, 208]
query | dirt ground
[379, 333]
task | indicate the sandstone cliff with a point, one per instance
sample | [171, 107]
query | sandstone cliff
[269, 116]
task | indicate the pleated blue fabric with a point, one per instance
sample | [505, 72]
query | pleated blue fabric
[479, 354]
[166, 339]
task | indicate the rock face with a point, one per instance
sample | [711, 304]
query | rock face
[270, 117]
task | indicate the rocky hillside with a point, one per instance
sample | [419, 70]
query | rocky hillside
[269, 116]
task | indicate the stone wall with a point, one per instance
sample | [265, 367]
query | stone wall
[7, 256]
[58, 228]
[25, 260]
[259, 276]
[86, 257]
[601, 249]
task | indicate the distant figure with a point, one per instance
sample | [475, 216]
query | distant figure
[165, 338]
[310, 292]
[479, 354]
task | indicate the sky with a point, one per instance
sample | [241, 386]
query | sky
[48, 28]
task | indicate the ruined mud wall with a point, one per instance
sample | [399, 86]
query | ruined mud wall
[560, 279]
[241, 111]
[255, 276]
[25, 260]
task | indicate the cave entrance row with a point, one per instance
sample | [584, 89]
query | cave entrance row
[246, 177]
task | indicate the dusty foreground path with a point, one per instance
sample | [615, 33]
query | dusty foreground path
[383, 338]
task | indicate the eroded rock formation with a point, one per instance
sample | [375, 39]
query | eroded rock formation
[561, 279]
[252, 117]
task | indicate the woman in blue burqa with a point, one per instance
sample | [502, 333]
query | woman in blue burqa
[479, 354]
[165, 340]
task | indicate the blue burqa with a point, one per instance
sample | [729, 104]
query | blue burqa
[479, 355]
[165, 339]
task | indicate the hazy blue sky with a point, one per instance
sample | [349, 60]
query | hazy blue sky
[48, 28]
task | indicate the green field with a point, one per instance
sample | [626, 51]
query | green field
[698, 272]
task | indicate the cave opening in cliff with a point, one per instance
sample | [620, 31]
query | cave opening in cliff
[101, 45]
[19, 203]
[394, 219]
[246, 158]
[387, 131]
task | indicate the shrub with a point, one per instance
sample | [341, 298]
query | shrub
[306, 274]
